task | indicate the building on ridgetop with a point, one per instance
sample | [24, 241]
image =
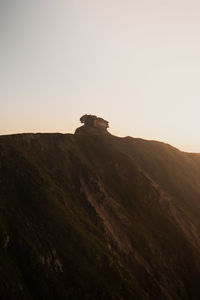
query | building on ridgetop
[94, 121]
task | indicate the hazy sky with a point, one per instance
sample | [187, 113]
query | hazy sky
[135, 63]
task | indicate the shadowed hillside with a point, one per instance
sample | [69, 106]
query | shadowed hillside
[91, 216]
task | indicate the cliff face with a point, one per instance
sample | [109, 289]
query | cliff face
[98, 217]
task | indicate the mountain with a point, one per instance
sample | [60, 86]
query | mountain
[94, 216]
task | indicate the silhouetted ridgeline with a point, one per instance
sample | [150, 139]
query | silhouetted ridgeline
[93, 216]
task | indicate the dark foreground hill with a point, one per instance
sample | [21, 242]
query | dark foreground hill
[98, 217]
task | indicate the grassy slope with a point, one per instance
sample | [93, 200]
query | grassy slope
[97, 217]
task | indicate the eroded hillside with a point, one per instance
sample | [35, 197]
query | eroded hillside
[98, 217]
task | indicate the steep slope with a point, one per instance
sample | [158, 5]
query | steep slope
[98, 217]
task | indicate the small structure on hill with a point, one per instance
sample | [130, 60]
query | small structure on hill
[94, 121]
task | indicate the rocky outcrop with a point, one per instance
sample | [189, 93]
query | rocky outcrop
[93, 125]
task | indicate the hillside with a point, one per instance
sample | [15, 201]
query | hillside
[91, 216]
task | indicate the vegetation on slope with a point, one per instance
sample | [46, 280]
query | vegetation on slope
[97, 217]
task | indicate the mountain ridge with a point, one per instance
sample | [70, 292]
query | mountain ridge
[98, 217]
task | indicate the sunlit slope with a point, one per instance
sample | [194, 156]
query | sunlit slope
[98, 217]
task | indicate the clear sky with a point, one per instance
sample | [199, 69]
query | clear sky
[135, 63]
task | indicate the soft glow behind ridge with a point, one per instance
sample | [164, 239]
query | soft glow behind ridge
[134, 63]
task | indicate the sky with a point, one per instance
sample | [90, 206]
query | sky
[136, 63]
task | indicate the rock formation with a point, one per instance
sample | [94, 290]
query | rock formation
[92, 125]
